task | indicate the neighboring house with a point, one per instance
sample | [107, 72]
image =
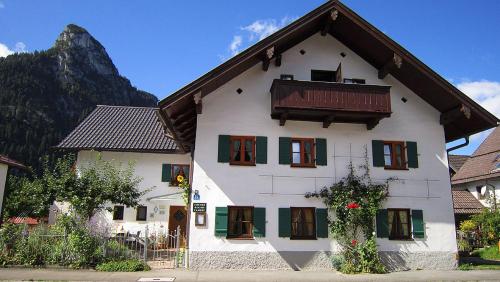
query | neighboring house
[456, 162]
[480, 174]
[123, 134]
[5, 163]
[465, 205]
[287, 115]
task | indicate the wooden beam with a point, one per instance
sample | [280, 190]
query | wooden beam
[283, 118]
[395, 62]
[198, 103]
[182, 116]
[453, 114]
[328, 120]
[372, 123]
[184, 121]
[265, 64]
[277, 61]
[329, 22]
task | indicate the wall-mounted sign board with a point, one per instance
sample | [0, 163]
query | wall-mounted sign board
[199, 207]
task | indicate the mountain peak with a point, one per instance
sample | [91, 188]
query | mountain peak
[77, 47]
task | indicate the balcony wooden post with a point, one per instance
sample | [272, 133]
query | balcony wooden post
[283, 118]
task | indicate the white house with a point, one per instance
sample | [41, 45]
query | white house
[287, 115]
[5, 163]
[480, 174]
[133, 134]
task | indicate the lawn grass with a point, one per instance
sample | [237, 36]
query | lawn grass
[489, 253]
[468, 266]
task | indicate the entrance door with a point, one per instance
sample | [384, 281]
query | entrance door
[178, 217]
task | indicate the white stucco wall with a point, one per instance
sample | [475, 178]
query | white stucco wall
[148, 167]
[3, 178]
[492, 184]
[226, 112]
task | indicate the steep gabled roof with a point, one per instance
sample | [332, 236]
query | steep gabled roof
[120, 128]
[178, 109]
[484, 163]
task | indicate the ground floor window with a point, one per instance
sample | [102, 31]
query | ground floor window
[118, 212]
[142, 213]
[303, 223]
[399, 224]
[240, 222]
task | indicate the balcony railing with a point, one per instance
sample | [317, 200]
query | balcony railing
[329, 102]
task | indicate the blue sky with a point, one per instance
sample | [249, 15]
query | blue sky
[162, 45]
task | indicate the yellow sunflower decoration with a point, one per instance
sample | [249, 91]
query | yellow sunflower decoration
[180, 178]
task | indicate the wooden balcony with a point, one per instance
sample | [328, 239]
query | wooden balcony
[329, 102]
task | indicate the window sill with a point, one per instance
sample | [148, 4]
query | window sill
[242, 164]
[401, 239]
[247, 239]
[395, 168]
[304, 166]
[302, 239]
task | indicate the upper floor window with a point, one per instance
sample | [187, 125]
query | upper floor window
[303, 223]
[399, 224]
[286, 76]
[302, 152]
[240, 222]
[242, 149]
[323, 75]
[179, 170]
[354, 81]
[394, 155]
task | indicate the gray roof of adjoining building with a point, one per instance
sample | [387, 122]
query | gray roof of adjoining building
[120, 128]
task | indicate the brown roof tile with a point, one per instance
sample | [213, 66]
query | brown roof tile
[120, 128]
[457, 161]
[465, 203]
[483, 163]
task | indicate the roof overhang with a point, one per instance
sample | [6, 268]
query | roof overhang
[461, 116]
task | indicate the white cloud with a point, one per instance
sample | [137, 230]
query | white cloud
[487, 94]
[255, 31]
[235, 45]
[20, 47]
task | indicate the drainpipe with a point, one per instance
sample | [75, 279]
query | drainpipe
[459, 146]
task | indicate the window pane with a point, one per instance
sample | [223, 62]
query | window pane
[387, 160]
[399, 160]
[248, 150]
[236, 150]
[308, 152]
[296, 158]
[387, 155]
[296, 147]
[302, 223]
[387, 149]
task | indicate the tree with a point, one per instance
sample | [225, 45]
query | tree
[98, 183]
[87, 190]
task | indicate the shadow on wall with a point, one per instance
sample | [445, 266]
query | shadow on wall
[304, 260]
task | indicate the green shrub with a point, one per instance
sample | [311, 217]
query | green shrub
[489, 223]
[131, 265]
[34, 249]
[84, 248]
[362, 257]
[490, 253]
[468, 225]
[464, 246]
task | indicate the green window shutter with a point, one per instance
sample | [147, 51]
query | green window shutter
[321, 156]
[166, 172]
[382, 224]
[411, 151]
[378, 153]
[223, 155]
[261, 149]
[259, 222]
[284, 222]
[284, 150]
[221, 221]
[417, 218]
[186, 172]
[322, 223]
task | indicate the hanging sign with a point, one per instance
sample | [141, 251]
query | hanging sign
[196, 195]
[199, 207]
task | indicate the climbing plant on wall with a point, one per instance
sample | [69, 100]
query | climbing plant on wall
[353, 203]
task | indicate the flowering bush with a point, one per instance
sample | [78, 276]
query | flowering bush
[354, 202]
